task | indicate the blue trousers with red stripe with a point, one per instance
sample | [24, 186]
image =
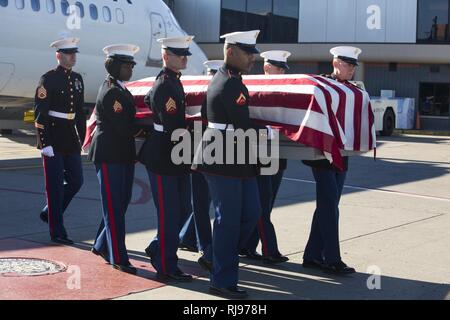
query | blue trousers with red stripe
[116, 188]
[197, 229]
[188, 233]
[323, 242]
[237, 208]
[172, 198]
[63, 179]
[268, 187]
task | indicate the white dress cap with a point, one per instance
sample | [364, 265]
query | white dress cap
[246, 40]
[177, 45]
[122, 52]
[277, 58]
[66, 45]
[213, 64]
[346, 53]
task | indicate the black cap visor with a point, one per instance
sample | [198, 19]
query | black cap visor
[68, 51]
[279, 64]
[250, 48]
[349, 60]
[124, 58]
[180, 51]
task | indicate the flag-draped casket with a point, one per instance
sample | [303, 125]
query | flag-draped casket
[330, 117]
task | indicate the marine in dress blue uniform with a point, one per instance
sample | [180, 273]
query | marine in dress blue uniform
[212, 66]
[114, 154]
[275, 62]
[233, 187]
[322, 250]
[170, 183]
[61, 125]
[196, 232]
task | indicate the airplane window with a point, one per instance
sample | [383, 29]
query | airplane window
[51, 6]
[65, 7]
[94, 12]
[35, 5]
[120, 16]
[3, 3]
[80, 9]
[20, 4]
[107, 14]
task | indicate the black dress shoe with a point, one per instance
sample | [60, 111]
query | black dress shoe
[229, 293]
[177, 276]
[250, 255]
[187, 247]
[274, 259]
[338, 268]
[149, 252]
[151, 255]
[101, 254]
[205, 264]
[312, 264]
[125, 268]
[62, 240]
[43, 216]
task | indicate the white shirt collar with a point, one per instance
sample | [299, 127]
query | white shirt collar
[121, 84]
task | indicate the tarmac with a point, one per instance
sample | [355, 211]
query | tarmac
[394, 229]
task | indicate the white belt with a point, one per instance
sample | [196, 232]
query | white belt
[68, 116]
[220, 126]
[158, 127]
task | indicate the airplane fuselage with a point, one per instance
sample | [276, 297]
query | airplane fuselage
[26, 33]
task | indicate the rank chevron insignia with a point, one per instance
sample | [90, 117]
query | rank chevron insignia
[42, 93]
[241, 100]
[171, 106]
[117, 107]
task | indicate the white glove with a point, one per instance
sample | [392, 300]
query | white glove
[48, 151]
[270, 133]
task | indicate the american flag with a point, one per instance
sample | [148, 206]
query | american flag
[311, 110]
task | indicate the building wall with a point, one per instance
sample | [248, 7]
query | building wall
[406, 80]
[327, 23]
[200, 18]
[320, 21]
[356, 21]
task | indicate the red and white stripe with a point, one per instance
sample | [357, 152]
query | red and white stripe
[51, 222]
[309, 109]
[91, 126]
[111, 214]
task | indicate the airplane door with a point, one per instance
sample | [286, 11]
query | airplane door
[158, 31]
[6, 72]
